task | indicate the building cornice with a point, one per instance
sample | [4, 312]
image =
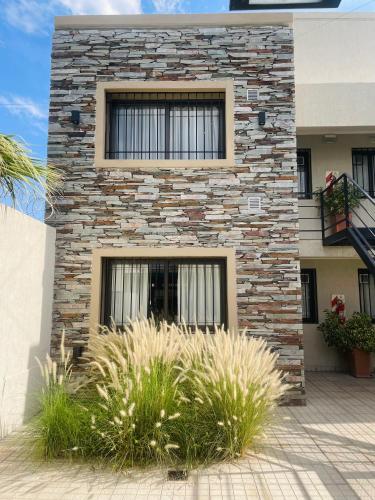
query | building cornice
[174, 20]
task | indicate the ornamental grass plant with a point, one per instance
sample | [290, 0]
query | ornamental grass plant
[160, 393]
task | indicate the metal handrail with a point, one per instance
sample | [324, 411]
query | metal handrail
[346, 209]
[363, 222]
[366, 195]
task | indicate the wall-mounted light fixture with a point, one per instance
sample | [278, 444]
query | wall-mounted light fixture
[262, 118]
[330, 138]
[75, 117]
[282, 4]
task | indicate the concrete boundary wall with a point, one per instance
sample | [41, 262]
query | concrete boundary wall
[27, 258]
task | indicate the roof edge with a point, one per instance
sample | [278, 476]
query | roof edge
[174, 20]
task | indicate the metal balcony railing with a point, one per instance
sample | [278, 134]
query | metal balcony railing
[347, 216]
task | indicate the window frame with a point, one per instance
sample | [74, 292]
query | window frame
[313, 306]
[100, 254]
[166, 105]
[166, 263]
[370, 153]
[362, 272]
[224, 86]
[308, 184]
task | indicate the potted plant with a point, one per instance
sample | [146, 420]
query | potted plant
[333, 331]
[360, 335]
[355, 337]
[334, 202]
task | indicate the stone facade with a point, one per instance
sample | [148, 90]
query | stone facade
[183, 206]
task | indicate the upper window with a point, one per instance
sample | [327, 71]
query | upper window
[165, 126]
[366, 292]
[177, 290]
[309, 301]
[304, 173]
[364, 169]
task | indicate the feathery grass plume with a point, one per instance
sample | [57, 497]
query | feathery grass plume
[160, 393]
[236, 386]
[18, 171]
[135, 371]
[60, 427]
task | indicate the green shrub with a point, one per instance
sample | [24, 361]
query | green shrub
[232, 385]
[158, 393]
[62, 421]
[357, 332]
[333, 330]
[360, 332]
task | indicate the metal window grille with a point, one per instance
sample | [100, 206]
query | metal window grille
[366, 292]
[165, 125]
[363, 161]
[304, 173]
[177, 290]
[309, 296]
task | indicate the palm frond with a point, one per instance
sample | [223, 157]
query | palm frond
[18, 170]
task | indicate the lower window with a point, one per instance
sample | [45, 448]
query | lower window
[366, 292]
[177, 290]
[309, 300]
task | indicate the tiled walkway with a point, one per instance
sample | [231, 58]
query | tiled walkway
[325, 451]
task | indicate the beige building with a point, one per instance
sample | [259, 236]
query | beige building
[192, 145]
[335, 120]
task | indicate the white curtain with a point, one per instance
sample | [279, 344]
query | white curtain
[367, 287]
[360, 171]
[305, 295]
[194, 129]
[129, 289]
[138, 132]
[198, 292]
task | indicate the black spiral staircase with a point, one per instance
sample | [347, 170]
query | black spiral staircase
[355, 224]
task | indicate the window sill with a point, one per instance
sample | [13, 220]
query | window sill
[152, 164]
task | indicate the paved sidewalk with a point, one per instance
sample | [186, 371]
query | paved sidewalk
[323, 451]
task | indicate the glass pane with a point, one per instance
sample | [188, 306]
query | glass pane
[361, 170]
[367, 294]
[303, 173]
[163, 126]
[305, 301]
[137, 132]
[199, 294]
[175, 290]
[156, 290]
[128, 289]
[194, 132]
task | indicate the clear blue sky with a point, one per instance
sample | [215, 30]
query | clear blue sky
[25, 43]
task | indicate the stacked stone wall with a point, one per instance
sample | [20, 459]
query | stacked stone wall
[183, 206]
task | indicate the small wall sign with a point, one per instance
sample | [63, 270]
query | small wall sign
[338, 305]
[331, 176]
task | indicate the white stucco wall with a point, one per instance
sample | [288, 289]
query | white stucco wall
[333, 276]
[334, 72]
[26, 290]
[336, 157]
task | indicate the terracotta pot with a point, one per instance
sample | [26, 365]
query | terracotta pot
[341, 222]
[360, 363]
